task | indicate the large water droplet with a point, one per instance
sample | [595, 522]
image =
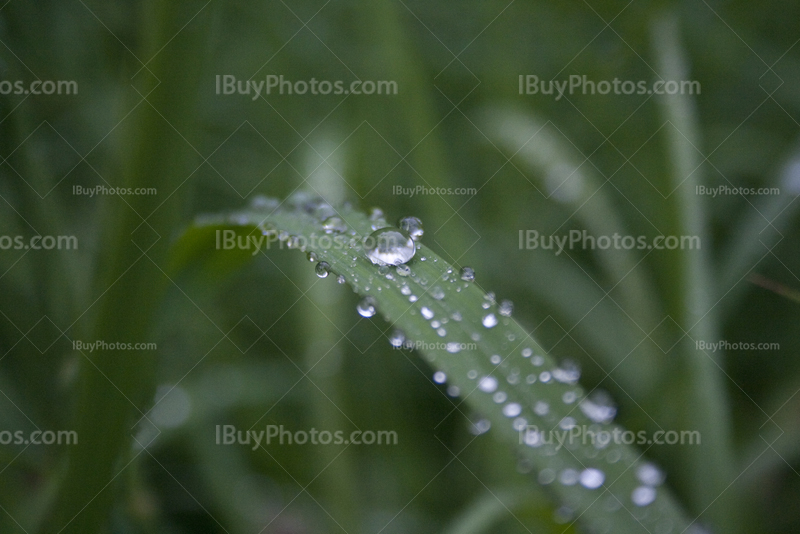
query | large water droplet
[467, 274]
[366, 308]
[322, 269]
[389, 246]
[592, 478]
[413, 226]
[489, 320]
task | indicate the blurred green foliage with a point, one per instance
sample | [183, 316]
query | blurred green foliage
[266, 342]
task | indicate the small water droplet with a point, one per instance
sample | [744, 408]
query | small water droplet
[472, 374]
[467, 274]
[592, 478]
[512, 409]
[453, 391]
[456, 316]
[412, 298]
[260, 202]
[413, 226]
[322, 269]
[441, 332]
[505, 308]
[334, 225]
[541, 408]
[568, 477]
[496, 359]
[454, 348]
[389, 246]
[526, 352]
[403, 270]
[487, 384]
[397, 338]
[439, 377]
[537, 360]
[481, 426]
[405, 290]
[649, 474]
[375, 214]
[567, 373]
[437, 293]
[545, 376]
[426, 312]
[341, 279]
[643, 495]
[366, 308]
[546, 476]
[568, 397]
[599, 407]
[499, 397]
[489, 320]
[312, 257]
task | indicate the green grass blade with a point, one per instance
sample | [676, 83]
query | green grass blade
[530, 387]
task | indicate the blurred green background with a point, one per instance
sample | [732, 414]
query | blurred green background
[252, 343]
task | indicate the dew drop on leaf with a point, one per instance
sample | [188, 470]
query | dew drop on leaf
[505, 308]
[487, 384]
[413, 226]
[389, 246]
[334, 225]
[467, 274]
[366, 308]
[489, 320]
[322, 269]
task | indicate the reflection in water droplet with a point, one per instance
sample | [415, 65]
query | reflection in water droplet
[389, 246]
[439, 377]
[512, 409]
[506, 308]
[467, 274]
[366, 308]
[487, 384]
[413, 226]
[489, 320]
[426, 313]
[643, 495]
[592, 478]
[322, 269]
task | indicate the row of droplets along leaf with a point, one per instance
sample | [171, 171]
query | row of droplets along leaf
[391, 249]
